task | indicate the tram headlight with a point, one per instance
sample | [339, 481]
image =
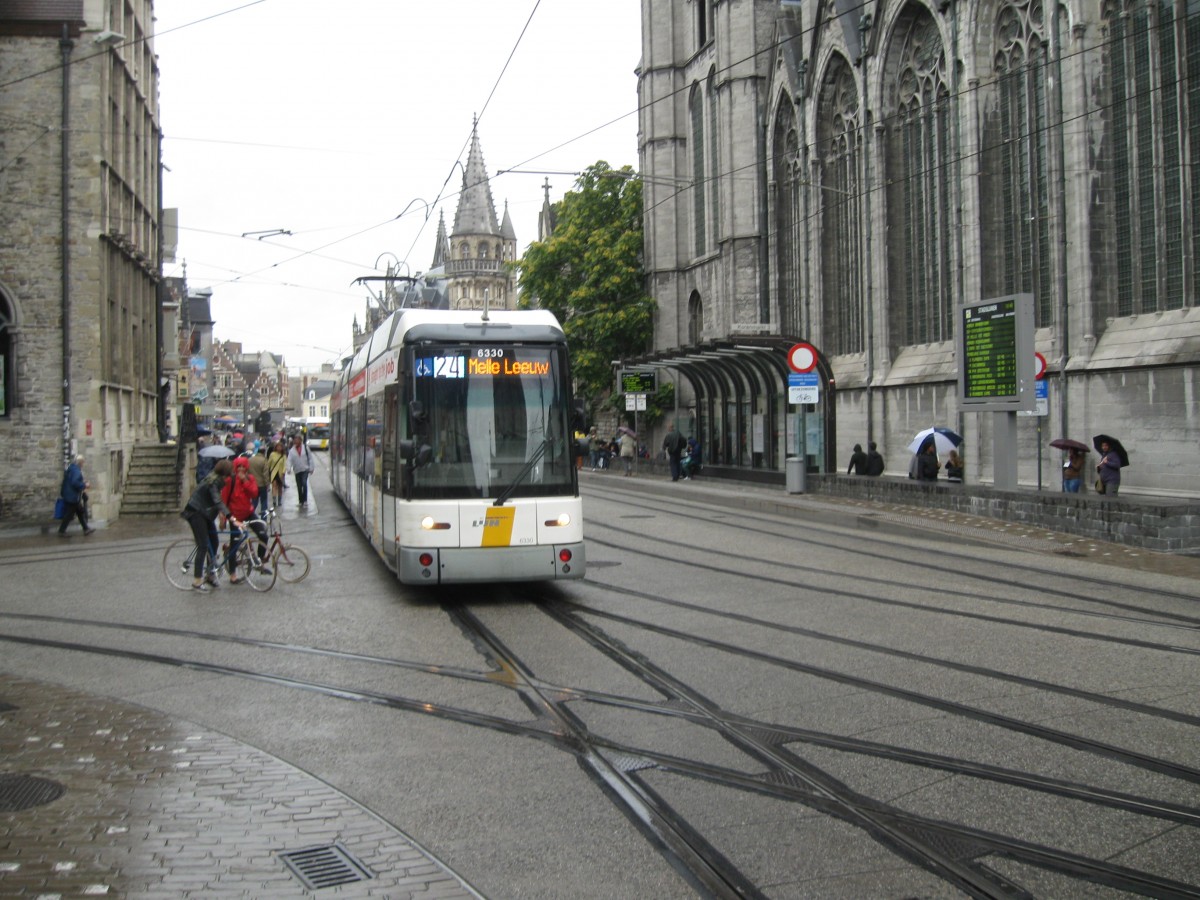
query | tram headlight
[563, 520]
[429, 523]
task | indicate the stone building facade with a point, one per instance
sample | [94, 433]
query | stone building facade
[245, 384]
[853, 175]
[79, 247]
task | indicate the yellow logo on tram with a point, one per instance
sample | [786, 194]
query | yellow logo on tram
[498, 526]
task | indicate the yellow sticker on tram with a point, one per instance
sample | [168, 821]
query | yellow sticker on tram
[498, 526]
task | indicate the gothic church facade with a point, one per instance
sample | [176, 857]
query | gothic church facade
[853, 174]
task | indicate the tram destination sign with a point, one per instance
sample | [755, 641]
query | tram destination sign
[995, 355]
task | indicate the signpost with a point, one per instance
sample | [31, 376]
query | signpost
[804, 388]
[636, 384]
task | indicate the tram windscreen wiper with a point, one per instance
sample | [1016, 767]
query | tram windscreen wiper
[533, 461]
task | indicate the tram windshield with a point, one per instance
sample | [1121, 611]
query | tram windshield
[496, 421]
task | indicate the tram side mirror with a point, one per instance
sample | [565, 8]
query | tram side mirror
[416, 454]
[579, 416]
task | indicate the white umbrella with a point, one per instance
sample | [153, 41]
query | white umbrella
[944, 440]
[218, 451]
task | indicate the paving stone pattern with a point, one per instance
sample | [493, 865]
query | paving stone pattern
[155, 807]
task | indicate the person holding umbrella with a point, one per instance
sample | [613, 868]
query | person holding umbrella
[1112, 459]
[927, 463]
[1072, 470]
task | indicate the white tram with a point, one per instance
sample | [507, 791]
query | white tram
[452, 445]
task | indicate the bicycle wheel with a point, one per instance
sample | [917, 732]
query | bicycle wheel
[260, 577]
[178, 562]
[291, 563]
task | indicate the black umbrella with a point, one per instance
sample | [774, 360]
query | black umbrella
[1114, 445]
[1069, 444]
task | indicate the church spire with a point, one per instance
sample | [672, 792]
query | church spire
[441, 244]
[476, 213]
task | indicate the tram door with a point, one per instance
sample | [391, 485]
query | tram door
[389, 469]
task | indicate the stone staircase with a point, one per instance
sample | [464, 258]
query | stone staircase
[152, 485]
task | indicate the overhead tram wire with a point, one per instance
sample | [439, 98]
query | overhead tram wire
[128, 43]
[478, 117]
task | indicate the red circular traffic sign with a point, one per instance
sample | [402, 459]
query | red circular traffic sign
[802, 358]
[1039, 366]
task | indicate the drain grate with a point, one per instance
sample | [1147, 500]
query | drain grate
[18, 792]
[327, 866]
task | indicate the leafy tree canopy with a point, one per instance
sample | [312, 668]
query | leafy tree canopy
[588, 272]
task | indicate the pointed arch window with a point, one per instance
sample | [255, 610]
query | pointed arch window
[1154, 60]
[786, 177]
[700, 241]
[919, 193]
[714, 169]
[1018, 158]
[695, 319]
[839, 150]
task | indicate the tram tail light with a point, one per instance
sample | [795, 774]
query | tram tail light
[425, 559]
[564, 555]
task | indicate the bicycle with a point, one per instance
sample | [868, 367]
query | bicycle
[180, 558]
[290, 562]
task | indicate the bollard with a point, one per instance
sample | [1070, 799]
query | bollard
[794, 469]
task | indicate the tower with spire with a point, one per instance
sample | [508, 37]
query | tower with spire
[480, 248]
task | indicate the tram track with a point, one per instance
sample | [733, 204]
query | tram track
[892, 550]
[783, 776]
[653, 775]
[920, 838]
[826, 593]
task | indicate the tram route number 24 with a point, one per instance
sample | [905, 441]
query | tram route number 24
[442, 367]
[455, 366]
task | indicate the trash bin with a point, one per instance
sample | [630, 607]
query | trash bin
[794, 470]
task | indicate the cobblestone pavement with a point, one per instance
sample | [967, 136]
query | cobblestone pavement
[100, 798]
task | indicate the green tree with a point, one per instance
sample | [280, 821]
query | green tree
[588, 272]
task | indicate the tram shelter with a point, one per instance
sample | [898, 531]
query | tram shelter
[732, 394]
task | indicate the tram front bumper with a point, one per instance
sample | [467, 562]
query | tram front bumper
[458, 565]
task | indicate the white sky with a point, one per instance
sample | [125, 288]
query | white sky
[329, 119]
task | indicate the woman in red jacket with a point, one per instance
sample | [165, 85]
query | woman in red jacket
[240, 494]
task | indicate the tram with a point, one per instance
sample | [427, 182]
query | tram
[452, 446]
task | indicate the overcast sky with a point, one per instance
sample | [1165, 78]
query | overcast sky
[342, 123]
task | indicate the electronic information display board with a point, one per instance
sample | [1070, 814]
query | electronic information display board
[638, 382]
[995, 355]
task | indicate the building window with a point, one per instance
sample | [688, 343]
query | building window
[919, 200]
[695, 319]
[714, 170]
[703, 21]
[785, 175]
[841, 229]
[8, 369]
[698, 186]
[1154, 58]
[1017, 163]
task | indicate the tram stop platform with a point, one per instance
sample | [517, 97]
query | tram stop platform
[102, 798]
